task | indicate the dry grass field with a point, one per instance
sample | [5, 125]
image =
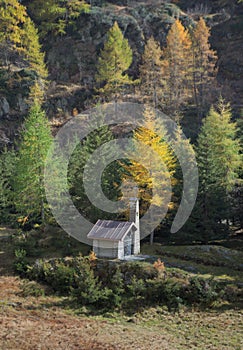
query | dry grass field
[41, 323]
[48, 322]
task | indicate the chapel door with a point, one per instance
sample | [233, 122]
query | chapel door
[128, 244]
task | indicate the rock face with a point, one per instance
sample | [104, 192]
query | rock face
[14, 91]
[227, 40]
[4, 107]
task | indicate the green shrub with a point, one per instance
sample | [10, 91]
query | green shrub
[201, 291]
[88, 290]
[20, 263]
[173, 294]
[165, 292]
[31, 288]
[28, 242]
[36, 271]
[111, 285]
[56, 273]
[136, 292]
[116, 285]
[139, 270]
[60, 277]
[233, 293]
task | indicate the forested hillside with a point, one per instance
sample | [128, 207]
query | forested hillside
[72, 34]
[183, 58]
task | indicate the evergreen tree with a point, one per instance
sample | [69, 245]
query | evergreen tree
[185, 175]
[237, 192]
[218, 163]
[29, 188]
[151, 73]
[114, 60]
[204, 67]
[177, 60]
[84, 150]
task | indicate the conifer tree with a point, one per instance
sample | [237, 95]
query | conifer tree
[100, 136]
[151, 73]
[177, 58]
[114, 60]
[19, 40]
[31, 44]
[12, 16]
[218, 163]
[204, 67]
[55, 15]
[7, 172]
[146, 179]
[29, 188]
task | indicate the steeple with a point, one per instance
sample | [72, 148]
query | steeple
[134, 217]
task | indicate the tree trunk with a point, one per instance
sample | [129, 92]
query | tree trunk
[152, 238]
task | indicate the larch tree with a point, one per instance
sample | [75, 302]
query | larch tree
[114, 60]
[35, 142]
[151, 172]
[12, 17]
[54, 15]
[218, 163]
[177, 58]
[204, 68]
[151, 73]
[19, 41]
[31, 44]
[7, 173]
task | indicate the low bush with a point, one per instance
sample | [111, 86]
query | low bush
[31, 288]
[130, 286]
[20, 262]
[201, 291]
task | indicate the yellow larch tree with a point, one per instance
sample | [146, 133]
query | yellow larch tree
[204, 68]
[153, 171]
[151, 73]
[177, 57]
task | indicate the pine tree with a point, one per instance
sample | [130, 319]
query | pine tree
[151, 73]
[114, 60]
[204, 68]
[29, 187]
[177, 60]
[150, 173]
[218, 163]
